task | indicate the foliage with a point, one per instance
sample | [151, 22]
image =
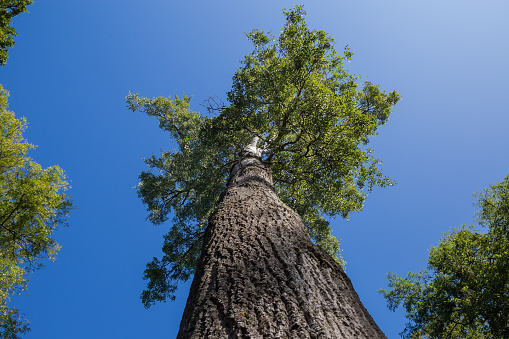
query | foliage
[313, 124]
[32, 206]
[464, 293]
[8, 10]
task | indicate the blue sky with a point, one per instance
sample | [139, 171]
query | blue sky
[75, 61]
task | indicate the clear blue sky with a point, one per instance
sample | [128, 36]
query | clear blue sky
[74, 62]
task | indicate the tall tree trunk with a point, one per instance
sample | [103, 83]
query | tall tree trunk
[260, 276]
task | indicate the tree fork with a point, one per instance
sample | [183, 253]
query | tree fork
[260, 276]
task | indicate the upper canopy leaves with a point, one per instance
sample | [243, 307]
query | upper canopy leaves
[464, 293]
[33, 204]
[312, 122]
[8, 10]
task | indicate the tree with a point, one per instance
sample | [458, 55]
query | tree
[464, 293]
[32, 205]
[306, 123]
[8, 10]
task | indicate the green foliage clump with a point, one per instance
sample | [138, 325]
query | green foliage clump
[8, 10]
[464, 293]
[313, 124]
[32, 205]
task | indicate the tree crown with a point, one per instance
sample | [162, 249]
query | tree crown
[8, 10]
[32, 205]
[464, 293]
[312, 123]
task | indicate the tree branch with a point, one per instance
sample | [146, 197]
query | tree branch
[13, 211]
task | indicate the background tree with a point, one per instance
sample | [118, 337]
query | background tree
[464, 293]
[300, 109]
[8, 10]
[32, 205]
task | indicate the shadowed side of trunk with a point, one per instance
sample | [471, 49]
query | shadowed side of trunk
[260, 276]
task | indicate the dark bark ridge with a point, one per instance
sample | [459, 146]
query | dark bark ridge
[260, 276]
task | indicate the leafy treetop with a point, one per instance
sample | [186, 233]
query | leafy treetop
[464, 293]
[32, 205]
[8, 10]
[313, 125]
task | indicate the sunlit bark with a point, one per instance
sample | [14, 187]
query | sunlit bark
[260, 276]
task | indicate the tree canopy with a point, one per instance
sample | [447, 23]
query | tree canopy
[8, 10]
[464, 293]
[32, 205]
[313, 123]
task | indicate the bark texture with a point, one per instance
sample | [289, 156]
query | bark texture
[260, 276]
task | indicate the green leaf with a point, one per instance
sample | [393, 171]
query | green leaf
[8, 10]
[464, 293]
[313, 124]
[33, 204]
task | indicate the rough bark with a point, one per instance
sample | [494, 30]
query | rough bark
[260, 276]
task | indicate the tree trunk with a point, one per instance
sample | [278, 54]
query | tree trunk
[260, 276]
